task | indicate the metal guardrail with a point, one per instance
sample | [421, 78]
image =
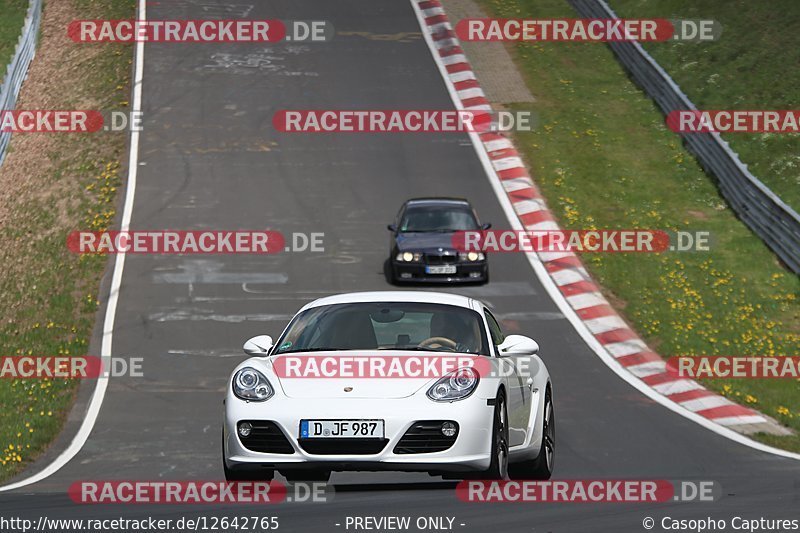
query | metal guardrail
[777, 224]
[17, 70]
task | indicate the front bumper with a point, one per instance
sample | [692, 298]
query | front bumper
[470, 452]
[466, 272]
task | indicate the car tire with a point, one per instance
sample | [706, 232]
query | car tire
[498, 468]
[542, 466]
[263, 474]
[389, 273]
[301, 476]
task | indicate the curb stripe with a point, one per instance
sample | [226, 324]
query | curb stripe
[639, 358]
[706, 402]
[726, 411]
[692, 395]
[580, 288]
[596, 311]
[681, 385]
[740, 420]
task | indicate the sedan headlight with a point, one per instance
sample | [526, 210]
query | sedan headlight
[471, 256]
[250, 384]
[454, 386]
[409, 257]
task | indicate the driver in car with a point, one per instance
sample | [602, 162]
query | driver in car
[462, 337]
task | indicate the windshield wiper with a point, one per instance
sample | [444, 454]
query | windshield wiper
[411, 349]
[326, 349]
[432, 231]
[415, 349]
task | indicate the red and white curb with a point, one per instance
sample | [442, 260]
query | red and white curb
[565, 268]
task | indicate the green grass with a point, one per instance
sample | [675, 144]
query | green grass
[48, 295]
[603, 158]
[11, 19]
[753, 66]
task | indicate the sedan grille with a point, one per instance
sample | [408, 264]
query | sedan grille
[425, 437]
[441, 259]
[266, 437]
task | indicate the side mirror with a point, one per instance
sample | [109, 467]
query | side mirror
[518, 345]
[392, 228]
[258, 346]
[486, 226]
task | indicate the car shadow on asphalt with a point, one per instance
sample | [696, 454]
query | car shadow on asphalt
[359, 487]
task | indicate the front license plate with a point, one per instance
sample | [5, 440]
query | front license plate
[331, 429]
[443, 269]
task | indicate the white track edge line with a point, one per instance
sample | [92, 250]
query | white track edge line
[113, 297]
[556, 295]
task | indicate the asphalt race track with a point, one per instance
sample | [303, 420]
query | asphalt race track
[210, 159]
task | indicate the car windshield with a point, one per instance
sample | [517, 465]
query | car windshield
[438, 218]
[385, 326]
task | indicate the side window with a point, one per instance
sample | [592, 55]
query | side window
[494, 329]
[398, 219]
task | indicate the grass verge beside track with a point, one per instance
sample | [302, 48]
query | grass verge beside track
[753, 66]
[52, 184]
[11, 21]
[604, 159]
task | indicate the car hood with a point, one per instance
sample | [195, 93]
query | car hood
[423, 242]
[360, 387]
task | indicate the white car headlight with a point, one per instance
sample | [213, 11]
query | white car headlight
[471, 256]
[250, 384]
[409, 257]
[454, 386]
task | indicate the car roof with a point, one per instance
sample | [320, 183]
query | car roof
[438, 201]
[395, 296]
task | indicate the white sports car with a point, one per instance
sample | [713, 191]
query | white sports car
[409, 381]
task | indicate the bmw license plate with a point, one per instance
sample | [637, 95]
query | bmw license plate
[331, 429]
[440, 269]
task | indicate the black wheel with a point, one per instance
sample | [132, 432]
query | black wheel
[498, 469]
[542, 466]
[388, 273]
[262, 474]
[295, 476]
